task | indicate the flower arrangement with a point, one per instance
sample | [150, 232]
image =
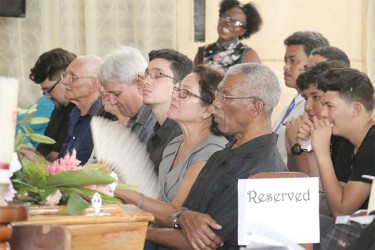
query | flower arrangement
[62, 182]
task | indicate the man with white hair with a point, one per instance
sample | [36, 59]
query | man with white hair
[244, 102]
[118, 75]
[82, 89]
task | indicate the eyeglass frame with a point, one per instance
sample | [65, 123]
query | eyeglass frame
[72, 77]
[187, 92]
[49, 91]
[144, 75]
[233, 22]
[222, 97]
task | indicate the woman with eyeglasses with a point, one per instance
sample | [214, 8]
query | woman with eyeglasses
[185, 156]
[236, 21]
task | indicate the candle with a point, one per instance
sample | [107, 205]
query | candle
[8, 114]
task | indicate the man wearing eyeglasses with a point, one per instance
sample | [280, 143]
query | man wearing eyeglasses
[118, 74]
[82, 89]
[46, 72]
[243, 106]
[166, 68]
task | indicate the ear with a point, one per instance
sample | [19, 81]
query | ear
[207, 111]
[256, 108]
[139, 85]
[357, 109]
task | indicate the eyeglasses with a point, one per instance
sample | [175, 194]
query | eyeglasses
[70, 78]
[232, 22]
[183, 93]
[221, 97]
[154, 75]
[48, 91]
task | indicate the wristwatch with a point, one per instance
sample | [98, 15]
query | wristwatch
[296, 149]
[174, 218]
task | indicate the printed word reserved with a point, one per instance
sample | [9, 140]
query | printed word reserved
[257, 198]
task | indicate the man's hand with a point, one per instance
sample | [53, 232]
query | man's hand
[291, 131]
[321, 134]
[29, 154]
[197, 228]
[304, 133]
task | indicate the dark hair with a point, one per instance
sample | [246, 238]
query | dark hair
[332, 54]
[50, 64]
[181, 65]
[209, 79]
[310, 76]
[309, 39]
[350, 84]
[253, 18]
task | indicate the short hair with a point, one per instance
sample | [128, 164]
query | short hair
[122, 64]
[181, 65]
[253, 18]
[309, 39]
[50, 64]
[310, 76]
[260, 81]
[209, 79]
[350, 84]
[332, 54]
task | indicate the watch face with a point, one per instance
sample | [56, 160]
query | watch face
[296, 149]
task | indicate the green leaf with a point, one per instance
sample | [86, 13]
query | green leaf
[81, 177]
[38, 120]
[76, 204]
[42, 139]
[20, 137]
[89, 193]
[28, 130]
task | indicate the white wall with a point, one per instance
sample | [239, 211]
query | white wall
[343, 22]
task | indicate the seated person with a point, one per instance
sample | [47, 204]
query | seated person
[348, 107]
[244, 102]
[47, 72]
[186, 155]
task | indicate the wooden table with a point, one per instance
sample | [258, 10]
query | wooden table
[124, 228]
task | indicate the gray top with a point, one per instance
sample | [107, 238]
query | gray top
[170, 179]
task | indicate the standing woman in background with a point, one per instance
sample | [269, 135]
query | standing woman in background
[236, 22]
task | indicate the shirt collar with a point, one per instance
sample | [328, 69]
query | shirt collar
[257, 142]
[229, 45]
[143, 115]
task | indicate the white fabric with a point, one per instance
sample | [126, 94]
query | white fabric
[297, 111]
[82, 27]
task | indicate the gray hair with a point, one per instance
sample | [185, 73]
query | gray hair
[90, 63]
[260, 81]
[123, 64]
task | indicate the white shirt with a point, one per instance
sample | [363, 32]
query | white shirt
[296, 111]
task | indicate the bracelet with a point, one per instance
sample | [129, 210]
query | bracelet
[141, 199]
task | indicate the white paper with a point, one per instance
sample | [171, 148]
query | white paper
[288, 206]
[371, 203]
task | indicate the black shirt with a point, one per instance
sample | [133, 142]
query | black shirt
[161, 137]
[57, 129]
[215, 190]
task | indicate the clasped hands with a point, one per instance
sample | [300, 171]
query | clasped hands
[198, 229]
[301, 129]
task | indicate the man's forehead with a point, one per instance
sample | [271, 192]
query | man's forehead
[231, 81]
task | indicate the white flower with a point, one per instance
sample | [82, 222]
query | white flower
[53, 199]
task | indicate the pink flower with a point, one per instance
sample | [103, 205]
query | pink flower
[69, 162]
[103, 189]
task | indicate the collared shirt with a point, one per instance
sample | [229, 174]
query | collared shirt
[142, 124]
[297, 111]
[79, 133]
[57, 129]
[215, 190]
[159, 140]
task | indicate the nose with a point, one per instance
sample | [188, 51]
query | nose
[324, 112]
[112, 100]
[217, 104]
[308, 105]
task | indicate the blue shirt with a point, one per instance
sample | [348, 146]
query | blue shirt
[79, 133]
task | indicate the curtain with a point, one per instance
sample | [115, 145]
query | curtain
[82, 27]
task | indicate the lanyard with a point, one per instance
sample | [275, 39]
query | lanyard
[287, 113]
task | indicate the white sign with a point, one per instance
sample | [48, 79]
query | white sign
[287, 206]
